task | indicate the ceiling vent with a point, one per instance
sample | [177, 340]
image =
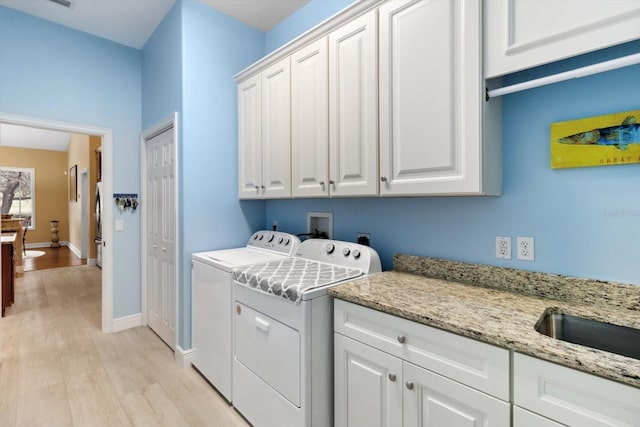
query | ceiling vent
[64, 3]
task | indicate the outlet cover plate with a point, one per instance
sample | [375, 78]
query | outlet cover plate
[503, 247]
[526, 249]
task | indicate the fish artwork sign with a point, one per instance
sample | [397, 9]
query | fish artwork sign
[613, 139]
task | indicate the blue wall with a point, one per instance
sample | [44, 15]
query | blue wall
[586, 222]
[215, 48]
[162, 70]
[52, 72]
[301, 20]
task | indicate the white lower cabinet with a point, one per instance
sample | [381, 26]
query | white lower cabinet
[572, 397]
[524, 418]
[368, 385]
[382, 388]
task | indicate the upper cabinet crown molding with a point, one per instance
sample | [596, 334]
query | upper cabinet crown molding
[520, 34]
[322, 29]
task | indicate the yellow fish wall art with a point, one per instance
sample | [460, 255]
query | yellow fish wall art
[612, 139]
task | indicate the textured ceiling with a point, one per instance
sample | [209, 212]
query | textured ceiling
[260, 14]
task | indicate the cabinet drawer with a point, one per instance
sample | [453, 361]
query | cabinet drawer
[524, 418]
[572, 397]
[482, 366]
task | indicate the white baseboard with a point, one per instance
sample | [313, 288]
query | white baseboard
[92, 261]
[183, 357]
[126, 322]
[75, 250]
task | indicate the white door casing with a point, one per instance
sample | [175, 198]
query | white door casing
[160, 235]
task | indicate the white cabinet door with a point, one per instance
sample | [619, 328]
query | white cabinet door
[521, 34]
[433, 400]
[250, 138]
[353, 128]
[431, 96]
[310, 121]
[431, 139]
[368, 385]
[276, 130]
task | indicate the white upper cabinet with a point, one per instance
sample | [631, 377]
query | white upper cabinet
[521, 34]
[276, 130]
[432, 100]
[353, 124]
[310, 121]
[264, 134]
[250, 138]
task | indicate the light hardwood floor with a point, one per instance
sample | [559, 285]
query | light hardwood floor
[58, 369]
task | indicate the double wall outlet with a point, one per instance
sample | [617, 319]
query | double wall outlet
[526, 250]
[503, 247]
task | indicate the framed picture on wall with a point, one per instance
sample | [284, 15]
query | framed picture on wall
[73, 183]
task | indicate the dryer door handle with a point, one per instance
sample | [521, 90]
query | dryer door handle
[262, 324]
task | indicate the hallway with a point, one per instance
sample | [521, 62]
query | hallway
[58, 369]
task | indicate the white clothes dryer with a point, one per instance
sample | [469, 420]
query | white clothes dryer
[212, 301]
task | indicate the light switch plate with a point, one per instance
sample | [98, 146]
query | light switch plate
[119, 225]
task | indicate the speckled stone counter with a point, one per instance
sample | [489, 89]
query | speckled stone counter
[501, 306]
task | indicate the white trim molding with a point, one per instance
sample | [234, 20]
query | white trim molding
[184, 357]
[126, 322]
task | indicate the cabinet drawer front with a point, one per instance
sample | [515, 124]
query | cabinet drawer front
[432, 400]
[572, 397]
[524, 418]
[482, 366]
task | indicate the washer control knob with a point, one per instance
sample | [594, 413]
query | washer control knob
[261, 237]
[356, 253]
[271, 237]
[255, 236]
[281, 240]
[346, 251]
[286, 241]
[330, 248]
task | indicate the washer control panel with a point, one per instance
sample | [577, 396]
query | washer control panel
[277, 241]
[341, 253]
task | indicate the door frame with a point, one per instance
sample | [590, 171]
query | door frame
[84, 214]
[107, 166]
[163, 125]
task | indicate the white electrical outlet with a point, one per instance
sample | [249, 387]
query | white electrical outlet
[526, 250]
[503, 247]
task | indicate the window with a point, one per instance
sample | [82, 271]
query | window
[17, 193]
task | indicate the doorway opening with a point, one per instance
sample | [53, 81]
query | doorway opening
[106, 135]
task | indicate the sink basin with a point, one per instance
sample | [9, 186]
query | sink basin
[616, 339]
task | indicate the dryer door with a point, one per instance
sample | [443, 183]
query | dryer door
[270, 349]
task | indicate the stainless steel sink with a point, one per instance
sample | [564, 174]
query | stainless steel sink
[616, 339]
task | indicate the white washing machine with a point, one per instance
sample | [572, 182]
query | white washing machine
[212, 302]
[283, 331]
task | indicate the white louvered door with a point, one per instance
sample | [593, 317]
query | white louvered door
[161, 232]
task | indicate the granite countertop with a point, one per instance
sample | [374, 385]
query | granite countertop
[501, 306]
